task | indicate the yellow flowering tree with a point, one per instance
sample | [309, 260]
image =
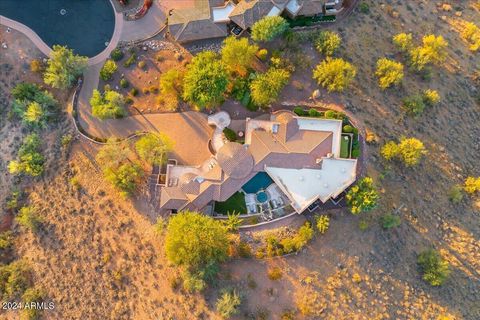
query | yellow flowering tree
[472, 185]
[363, 196]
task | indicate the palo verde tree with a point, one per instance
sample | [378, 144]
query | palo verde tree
[363, 196]
[334, 74]
[205, 80]
[238, 55]
[266, 87]
[269, 28]
[327, 42]
[409, 151]
[171, 87]
[36, 107]
[153, 148]
[110, 105]
[433, 50]
[389, 72]
[196, 243]
[63, 67]
[108, 70]
[30, 160]
[472, 185]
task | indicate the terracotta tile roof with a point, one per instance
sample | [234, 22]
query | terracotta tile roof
[235, 160]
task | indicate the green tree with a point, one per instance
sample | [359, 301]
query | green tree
[125, 178]
[435, 270]
[238, 55]
[205, 80]
[29, 219]
[334, 74]
[228, 303]
[63, 67]
[403, 41]
[363, 196]
[268, 28]
[110, 105]
[266, 87]
[171, 87]
[153, 148]
[108, 69]
[30, 160]
[327, 42]
[389, 72]
[113, 153]
[194, 240]
[33, 105]
[14, 279]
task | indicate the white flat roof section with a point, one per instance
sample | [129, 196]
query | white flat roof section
[293, 7]
[304, 186]
[220, 14]
[329, 125]
[275, 11]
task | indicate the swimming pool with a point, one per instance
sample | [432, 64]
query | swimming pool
[260, 181]
[86, 26]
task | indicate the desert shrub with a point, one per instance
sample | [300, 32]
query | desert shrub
[153, 89]
[134, 92]
[268, 28]
[363, 196]
[471, 33]
[308, 303]
[116, 54]
[431, 97]
[141, 64]
[389, 72]
[299, 111]
[30, 160]
[364, 7]
[66, 140]
[456, 194]
[110, 105]
[390, 150]
[108, 69]
[32, 296]
[330, 114]
[327, 42]
[131, 60]
[472, 185]
[6, 240]
[389, 221]
[403, 41]
[205, 81]
[274, 273]
[262, 54]
[228, 303]
[323, 222]
[124, 83]
[314, 113]
[435, 270]
[63, 67]
[244, 250]
[414, 105]
[145, 90]
[193, 282]
[36, 66]
[14, 279]
[347, 128]
[334, 74]
[233, 221]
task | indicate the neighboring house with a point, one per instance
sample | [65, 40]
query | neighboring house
[218, 18]
[301, 155]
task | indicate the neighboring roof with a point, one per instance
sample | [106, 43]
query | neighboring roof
[247, 12]
[172, 198]
[235, 160]
[310, 7]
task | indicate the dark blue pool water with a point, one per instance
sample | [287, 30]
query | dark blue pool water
[260, 181]
[85, 27]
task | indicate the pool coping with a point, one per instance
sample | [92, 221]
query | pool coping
[45, 49]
